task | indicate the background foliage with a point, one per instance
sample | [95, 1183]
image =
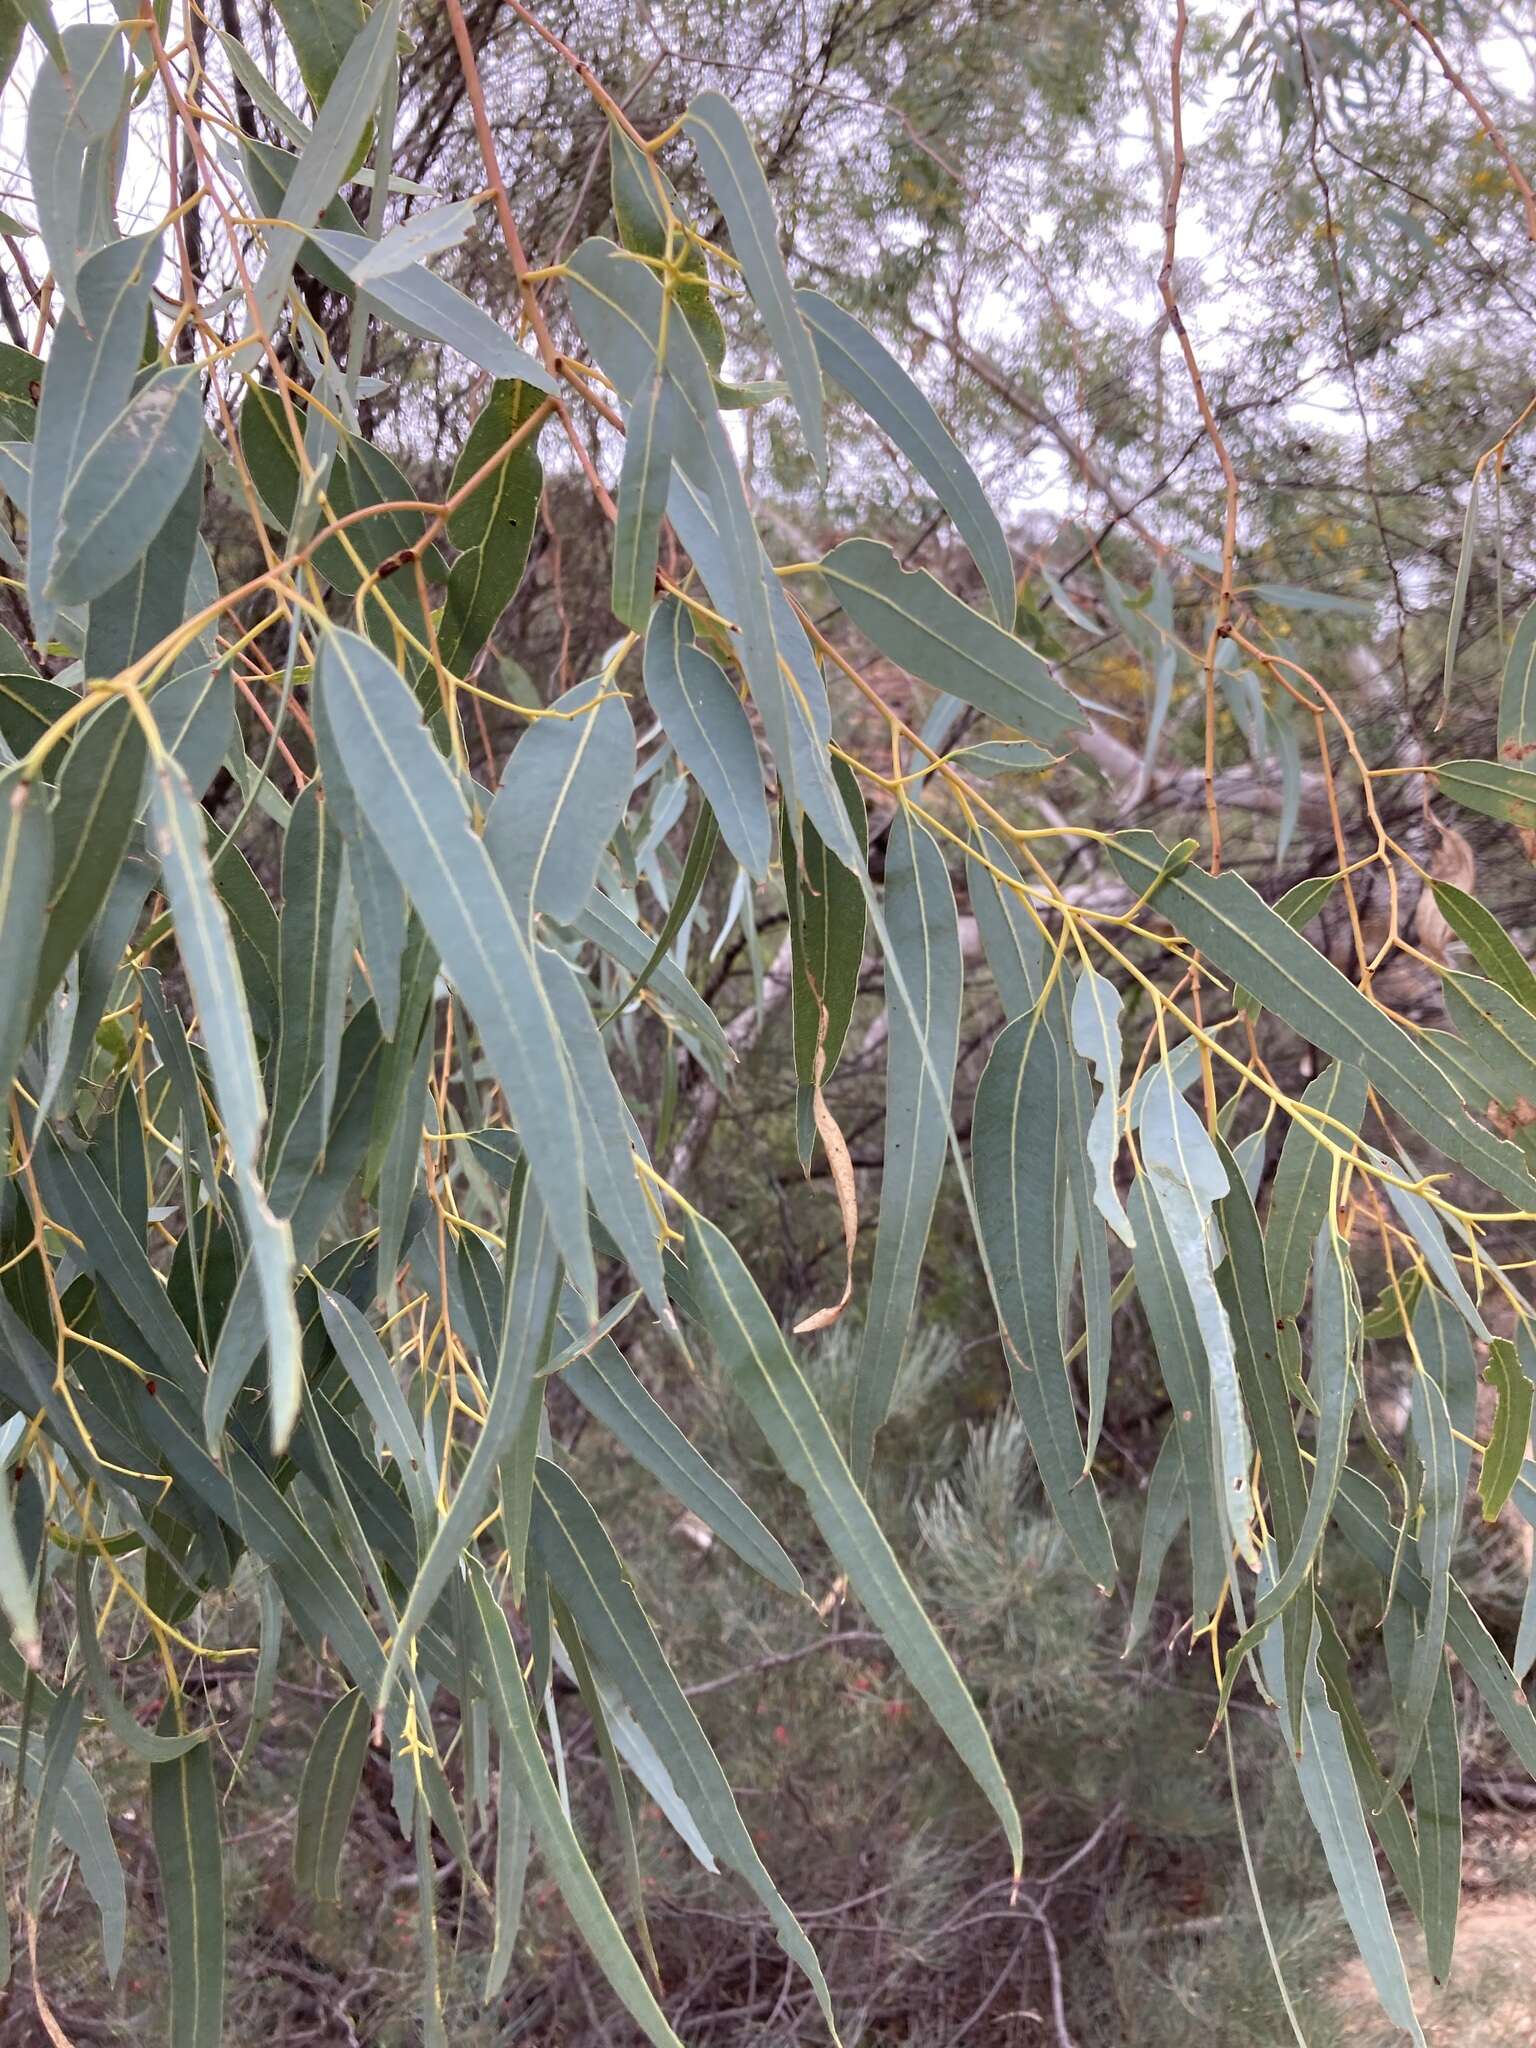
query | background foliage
[323, 1027]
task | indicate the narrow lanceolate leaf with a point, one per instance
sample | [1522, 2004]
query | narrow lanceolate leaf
[1459, 597]
[74, 107]
[1436, 1799]
[184, 1813]
[523, 1344]
[1096, 1035]
[704, 719]
[1487, 941]
[1187, 1179]
[562, 794]
[494, 526]
[17, 1599]
[327, 1794]
[754, 1354]
[512, 1840]
[65, 1718]
[127, 485]
[609, 1391]
[1165, 1516]
[738, 186]
[364, 1361]
[1509, 1440]
[1500, 1031]
[1493, 788]
[826, 928]
[924, 935]
[573, 1547]
[912, 618]
[89, 377]
[349, 107]
[209, 955]
[139, 1741]
[613, 1177]
[1015, 1146]
[1440, 1511]
[426, 305]
[80, 1821]
[1335, 1378]
[1517, 698]
[309, 938]
[1237, 931]
[1300, 1199]
[1010, 935]
[1328, 1787]
[867, 370]
[643, 485]
[93, 818]
[398, 774]
[522, 1755]
[26, 865]
[1175, 1333]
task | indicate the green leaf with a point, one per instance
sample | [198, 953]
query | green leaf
[690, 883]
[924, 933]
[867, 370]
[1436, 1802]
[738, 186]
[327, 156]
[1439, 1514]
[1186, 1176]
[80, 1818]
[494, 525]
[1300, 1200]
[521, 1754]
[523, 1345]
[1500, 1031]
[605, 1386]
[93, 818]
[703, 717]
[369, 1370]
[26, 863]
[1492, 788]
[17, 1596]
[208, 954]
[1236, 930]
[88, 380]
[512, 1839]
[333, 1771]
[76, 102]
[752, 1350]
[126, 486]
[321, 32]
[1517, 698]
[1488, 942]
[1509, 1440]
[60, 1742]
[826, 927]
[184, 1813]
[1165, 1516]
[1096, 1035]
[615, 933]
[643, 484]
[561, 796]
[397, 773]
[313, 937]
[422, 304]
[150, 601]
[573, 1547]
[912, 618]
[1459, 595]
[1016, 1143]
[1327, 1782]
[1010, 936]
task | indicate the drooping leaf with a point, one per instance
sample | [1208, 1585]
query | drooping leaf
[333, 1772]
[561, 795]
[924, 932]
[1493, 788]
[126, 485]
[912, 618]
[26, 865]
[866, 369]
[394, 768]
[1509, 1440]
[184, 1812]
[752, 1350]
[643, 485]
[738, 186]
[1517, 698]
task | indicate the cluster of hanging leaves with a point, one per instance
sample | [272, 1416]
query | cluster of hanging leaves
[309, 1199]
